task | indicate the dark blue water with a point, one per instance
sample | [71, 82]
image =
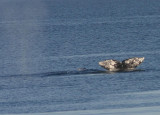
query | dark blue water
[43, 43]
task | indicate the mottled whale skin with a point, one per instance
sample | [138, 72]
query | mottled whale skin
[127, 64]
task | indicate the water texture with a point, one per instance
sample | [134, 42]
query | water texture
[50, 51]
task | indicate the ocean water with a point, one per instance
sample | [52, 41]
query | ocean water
[45, 43]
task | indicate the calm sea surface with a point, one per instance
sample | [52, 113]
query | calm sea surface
[44, 42]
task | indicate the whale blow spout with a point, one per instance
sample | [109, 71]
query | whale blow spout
[127, 64]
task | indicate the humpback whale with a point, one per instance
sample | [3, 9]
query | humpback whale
[127, 64]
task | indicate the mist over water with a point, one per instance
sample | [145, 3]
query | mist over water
[50, 49]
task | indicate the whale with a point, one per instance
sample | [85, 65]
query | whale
[127, 64]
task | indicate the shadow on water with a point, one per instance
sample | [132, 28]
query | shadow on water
[74, 72]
